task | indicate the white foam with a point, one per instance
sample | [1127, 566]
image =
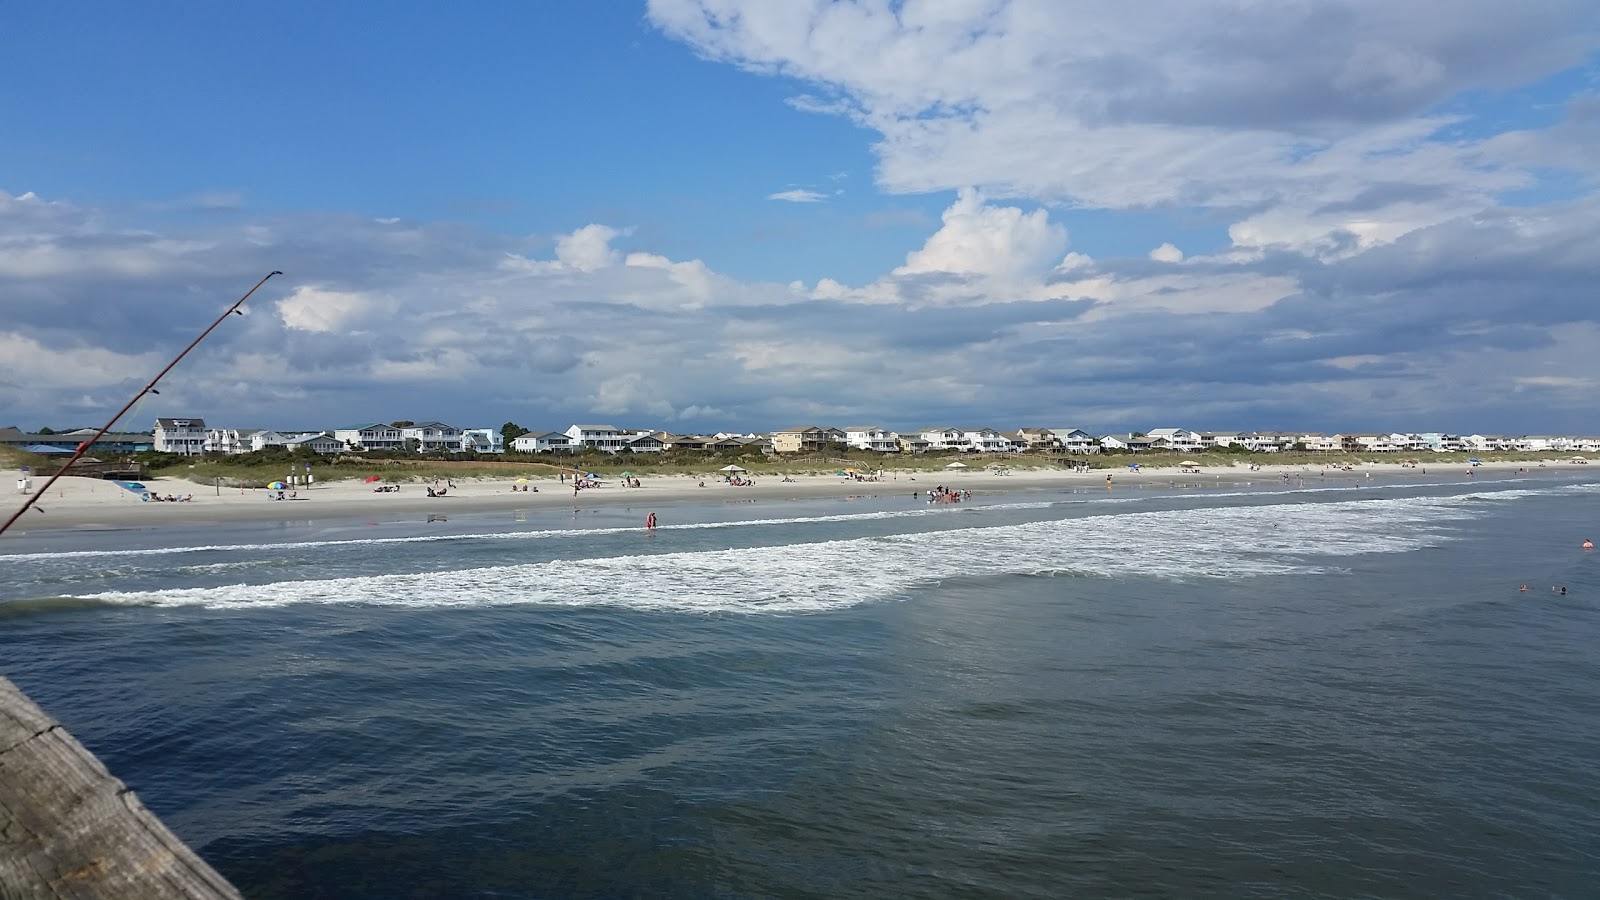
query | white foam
[558, 533]
[1228, 542]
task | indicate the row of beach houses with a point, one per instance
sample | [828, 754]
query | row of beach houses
[193, 437]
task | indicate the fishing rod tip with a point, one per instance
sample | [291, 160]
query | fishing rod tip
[275, 272]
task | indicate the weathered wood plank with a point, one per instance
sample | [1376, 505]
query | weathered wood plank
[69, 830]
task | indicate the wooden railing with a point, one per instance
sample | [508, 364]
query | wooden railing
[70, 829]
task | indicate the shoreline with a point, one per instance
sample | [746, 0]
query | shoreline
[85, 504]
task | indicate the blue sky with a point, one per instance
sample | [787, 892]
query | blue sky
[706, 214]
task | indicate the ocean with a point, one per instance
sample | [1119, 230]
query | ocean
[1329, 688]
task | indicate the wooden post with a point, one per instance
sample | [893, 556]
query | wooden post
[69, 829]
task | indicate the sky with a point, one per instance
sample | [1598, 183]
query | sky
[712, 215]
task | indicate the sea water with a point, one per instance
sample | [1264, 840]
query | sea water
[1323, 688]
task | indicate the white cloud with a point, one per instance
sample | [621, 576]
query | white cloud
[25, 360]
[798, 195]
[316, 309]
[588, 248]
[1167, 253]
[1309, 117]
[979, 239]
[990, 319]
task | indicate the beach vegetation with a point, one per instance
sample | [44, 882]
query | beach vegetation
[397, 466]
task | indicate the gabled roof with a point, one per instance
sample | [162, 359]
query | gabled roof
[592, 427]
[187, 423]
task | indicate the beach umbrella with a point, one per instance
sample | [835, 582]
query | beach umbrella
[956, 465]
[730, 468]
[522, 481]
[372, 478]
[625, 475]
[276, 486]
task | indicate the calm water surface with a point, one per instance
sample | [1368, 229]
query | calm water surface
[1255, 691]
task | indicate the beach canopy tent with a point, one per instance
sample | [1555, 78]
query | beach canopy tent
[46, 450]
[134, 486]
[956, 465]
[730, 468]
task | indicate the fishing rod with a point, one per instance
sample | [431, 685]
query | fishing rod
[147, 389]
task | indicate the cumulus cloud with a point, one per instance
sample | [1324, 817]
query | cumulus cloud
[989, 320]
[1167, 253]
[314, 309]
[1301, 118]
[588, 248]
[980, 239]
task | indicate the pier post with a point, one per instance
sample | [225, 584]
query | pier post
[70, 829]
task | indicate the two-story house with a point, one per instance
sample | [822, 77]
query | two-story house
[1180, 439]
[433, 437]
[598, 437]
[985, 440]
[805, 439]
[482, 440]
[944, 438]
[185, 437]
[871, 437]
[376, 436]
[1074, 440]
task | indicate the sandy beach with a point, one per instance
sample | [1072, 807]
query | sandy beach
[75, 502]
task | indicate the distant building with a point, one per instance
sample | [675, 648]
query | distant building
[185, 437]
[542, 442]
[111, 442]
[376, 436]
[482, 440]
[599, 437]
[805, 439]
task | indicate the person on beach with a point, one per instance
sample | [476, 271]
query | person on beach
[650, 522]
